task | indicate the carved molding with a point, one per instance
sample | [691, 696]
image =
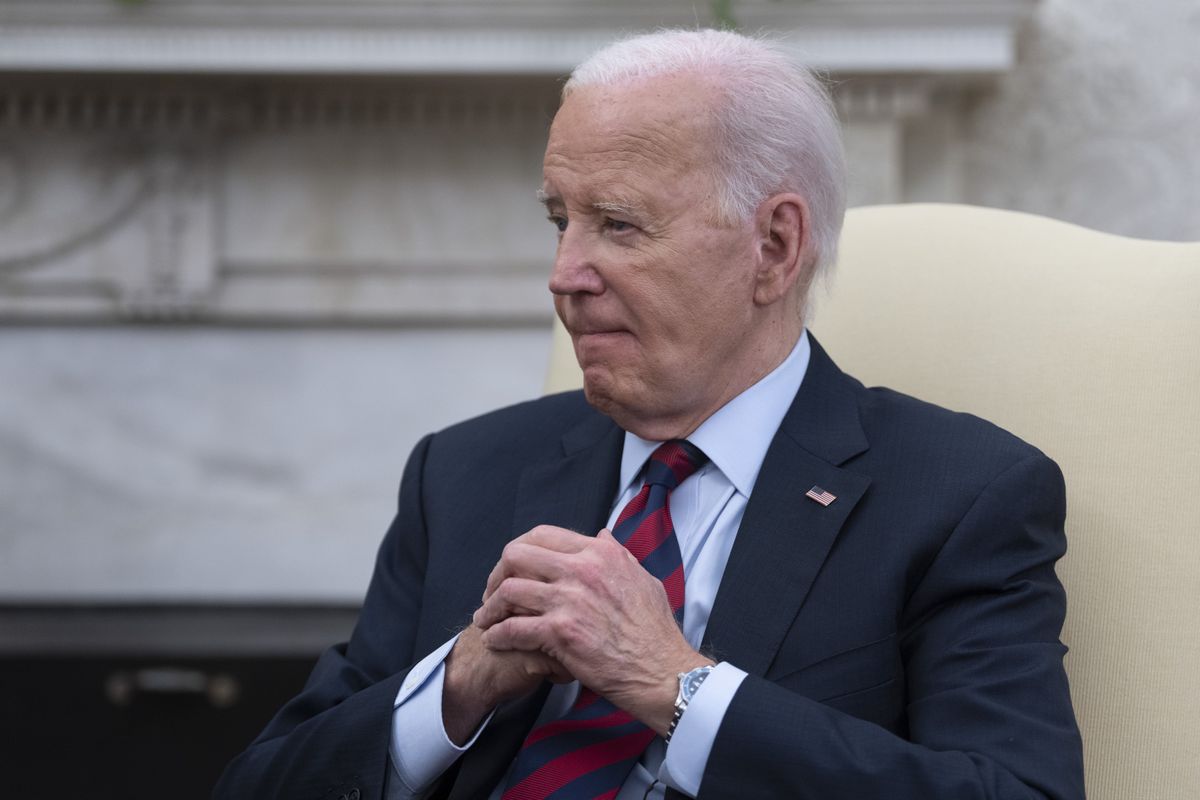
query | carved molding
[88, 106]
[150, 245]
[13, 181]
[967, 49]
[490, 13]
[59, 224]
[181, 250]
[112, 190]
[339, 111]
[543, 37]
[884, 98]
[192, 110]
[189, 107]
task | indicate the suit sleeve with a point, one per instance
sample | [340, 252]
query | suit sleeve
[988, 708]
[332, 739]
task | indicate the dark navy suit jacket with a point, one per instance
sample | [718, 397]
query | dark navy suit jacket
[902, 642]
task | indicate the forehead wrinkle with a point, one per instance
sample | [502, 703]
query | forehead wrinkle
[648, 119]
[676, 153]
[651, 145]
[610, 161]
[605, 185]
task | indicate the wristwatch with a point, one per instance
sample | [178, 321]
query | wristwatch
[689, 684]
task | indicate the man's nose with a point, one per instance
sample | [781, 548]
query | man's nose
[575, 268]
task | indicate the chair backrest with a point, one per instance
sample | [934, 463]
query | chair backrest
[1087, 345]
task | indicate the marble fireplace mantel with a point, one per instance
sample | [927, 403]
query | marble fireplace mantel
[297, 160]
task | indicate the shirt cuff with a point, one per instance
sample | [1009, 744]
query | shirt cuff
[420, 748]
[690, 745]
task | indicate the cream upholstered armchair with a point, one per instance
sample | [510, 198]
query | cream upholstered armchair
[1088, 346]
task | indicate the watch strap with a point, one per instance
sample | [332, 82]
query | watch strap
[694, 678]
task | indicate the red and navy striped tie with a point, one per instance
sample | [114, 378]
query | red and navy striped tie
[588, 752]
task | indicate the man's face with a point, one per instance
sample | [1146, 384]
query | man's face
[656, 294]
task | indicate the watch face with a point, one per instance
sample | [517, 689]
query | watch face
[692, 681]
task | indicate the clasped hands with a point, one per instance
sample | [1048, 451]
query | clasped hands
[562, 606]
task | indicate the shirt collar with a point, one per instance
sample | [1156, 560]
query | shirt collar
[737, 435]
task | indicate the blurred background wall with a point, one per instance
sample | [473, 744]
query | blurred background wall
[251, 251]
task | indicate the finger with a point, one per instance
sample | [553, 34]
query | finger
[549, 537]
[497, 576]
[518, 633]
[547, 666]
[558, 539]
[522, 559]
[613, 548]
[514, 596]
[542, 665]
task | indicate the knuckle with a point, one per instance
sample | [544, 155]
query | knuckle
[502, 633]
[612, 551]
[497, 608]
[541, 533]
[589, 572]
[568, 631]
[510, 593]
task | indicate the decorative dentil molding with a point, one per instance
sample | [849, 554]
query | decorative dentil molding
[188, 109]
[171, 107]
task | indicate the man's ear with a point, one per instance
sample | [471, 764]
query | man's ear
[784, 247]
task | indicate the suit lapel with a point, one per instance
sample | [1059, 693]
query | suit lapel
[785, 536]
[572, 491]
[575, 490]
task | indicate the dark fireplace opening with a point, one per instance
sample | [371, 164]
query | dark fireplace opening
[138, 701]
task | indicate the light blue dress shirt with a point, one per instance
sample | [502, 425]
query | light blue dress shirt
[707, 510]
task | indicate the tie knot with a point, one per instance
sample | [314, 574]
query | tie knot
[673, 462]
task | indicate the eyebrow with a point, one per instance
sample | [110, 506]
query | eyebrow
[617, 206]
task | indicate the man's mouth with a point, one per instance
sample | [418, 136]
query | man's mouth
[595, 328]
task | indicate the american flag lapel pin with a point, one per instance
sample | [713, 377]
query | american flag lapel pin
[820, 495]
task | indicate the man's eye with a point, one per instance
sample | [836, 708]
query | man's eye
[619, 225]
[558, 222]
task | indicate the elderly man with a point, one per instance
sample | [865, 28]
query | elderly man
[725, 569]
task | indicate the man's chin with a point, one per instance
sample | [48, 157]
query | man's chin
[597, 387]
[603, 392]
[614, 400]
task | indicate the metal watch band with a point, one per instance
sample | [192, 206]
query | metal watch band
[691, 679]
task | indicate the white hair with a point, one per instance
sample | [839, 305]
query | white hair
[777, 127]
